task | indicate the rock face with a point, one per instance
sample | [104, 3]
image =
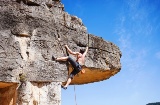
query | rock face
[156, 103]
[31, 31]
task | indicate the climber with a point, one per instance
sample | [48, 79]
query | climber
[77, 65]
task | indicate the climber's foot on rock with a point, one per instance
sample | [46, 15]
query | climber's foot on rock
[63, 87]
[53, 58]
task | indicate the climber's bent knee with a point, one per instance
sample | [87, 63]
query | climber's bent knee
[71, 76]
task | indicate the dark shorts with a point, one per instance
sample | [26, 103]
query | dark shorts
[77, 67]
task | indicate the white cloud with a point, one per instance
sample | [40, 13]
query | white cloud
[130, 32]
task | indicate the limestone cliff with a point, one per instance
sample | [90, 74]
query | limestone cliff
[31, 31]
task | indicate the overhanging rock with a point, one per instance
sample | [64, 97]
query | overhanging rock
[102, 62]
[31, 31]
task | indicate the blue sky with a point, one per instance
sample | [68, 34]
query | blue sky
[134, 26]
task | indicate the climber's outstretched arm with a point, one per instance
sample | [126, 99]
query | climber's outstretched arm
[84, 54]
[70, 51]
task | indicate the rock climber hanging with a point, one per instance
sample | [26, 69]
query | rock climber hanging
[77, 65]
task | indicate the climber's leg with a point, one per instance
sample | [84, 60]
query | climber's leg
[73, 73]
[72, 62]
[62, 59]
[68, 82]
[76, 70]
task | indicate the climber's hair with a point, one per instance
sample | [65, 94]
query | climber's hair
[82, 51]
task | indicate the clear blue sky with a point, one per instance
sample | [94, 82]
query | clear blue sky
[134, 26]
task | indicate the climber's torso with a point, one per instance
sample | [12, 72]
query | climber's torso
[80, 59]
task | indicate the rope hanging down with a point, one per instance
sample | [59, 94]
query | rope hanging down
[75, 94]
[74, 85]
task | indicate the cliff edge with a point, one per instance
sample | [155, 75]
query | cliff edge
[31, 31]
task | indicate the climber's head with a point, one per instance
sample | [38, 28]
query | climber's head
[82, 51]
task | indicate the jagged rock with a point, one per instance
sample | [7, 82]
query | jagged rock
[31, 31]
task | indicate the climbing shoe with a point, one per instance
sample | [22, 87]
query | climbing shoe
[53, 58]
[63, 87]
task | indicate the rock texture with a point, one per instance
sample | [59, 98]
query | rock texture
[156, 103]
[39, 93]
[8, 93]
[31, 31]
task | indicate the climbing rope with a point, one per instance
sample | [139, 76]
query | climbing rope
[75, 95]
